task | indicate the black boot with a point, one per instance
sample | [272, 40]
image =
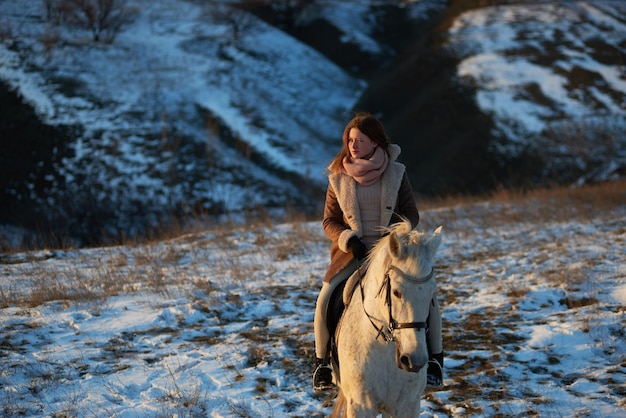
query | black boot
[434, 375]
[322, 376]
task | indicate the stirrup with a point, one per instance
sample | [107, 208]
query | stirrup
[322, 378]
[434, 375]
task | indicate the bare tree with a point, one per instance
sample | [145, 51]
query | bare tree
[104, 18]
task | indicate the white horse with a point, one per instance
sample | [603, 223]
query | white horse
[381, 338]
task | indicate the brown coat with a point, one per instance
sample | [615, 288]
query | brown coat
[342, 216]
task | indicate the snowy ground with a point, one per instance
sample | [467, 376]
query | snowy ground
[219, 323]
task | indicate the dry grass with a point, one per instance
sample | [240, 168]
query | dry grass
[152, 265]
[536, 205]
[467, 214]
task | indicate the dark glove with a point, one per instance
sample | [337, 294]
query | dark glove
[358, 249]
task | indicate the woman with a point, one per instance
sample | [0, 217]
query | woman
[367, 189]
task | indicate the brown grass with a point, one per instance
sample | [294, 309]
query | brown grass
[506, 206]
[150, 266]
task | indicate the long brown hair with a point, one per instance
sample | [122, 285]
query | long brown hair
[368, 125]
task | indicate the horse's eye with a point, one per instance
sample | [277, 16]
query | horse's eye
[397, 294]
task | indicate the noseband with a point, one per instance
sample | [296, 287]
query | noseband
[389, 333]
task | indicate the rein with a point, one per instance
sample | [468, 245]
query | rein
[388, 334]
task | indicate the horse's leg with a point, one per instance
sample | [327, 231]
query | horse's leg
[408, 407]
[408, 411]
[412, 410]
[357, 402]
[354, 410]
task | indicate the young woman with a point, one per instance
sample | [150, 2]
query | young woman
[367, 189]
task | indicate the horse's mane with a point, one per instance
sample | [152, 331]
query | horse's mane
[402, 229]
[409, 238]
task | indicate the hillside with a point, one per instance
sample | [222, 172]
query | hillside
[219, 323]
[207, 110]
[516, 94]
[482, 94]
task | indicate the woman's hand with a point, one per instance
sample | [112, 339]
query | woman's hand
[358, 249]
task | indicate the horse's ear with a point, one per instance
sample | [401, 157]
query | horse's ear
[434, 241]
[394, 245]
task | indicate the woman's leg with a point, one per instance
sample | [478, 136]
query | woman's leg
[435, 345]
[319, 322]
[435, 339]
[322, 376]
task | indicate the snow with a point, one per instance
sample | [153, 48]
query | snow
[219, 323]
[357, 31]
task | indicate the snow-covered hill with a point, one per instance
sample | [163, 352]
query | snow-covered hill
[201, 107]
[552, 73]
[180, 74]
[219, 323]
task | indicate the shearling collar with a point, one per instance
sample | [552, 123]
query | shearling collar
[345, 190]
[394, 152]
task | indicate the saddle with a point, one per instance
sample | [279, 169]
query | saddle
[339, 299]
[335, 308]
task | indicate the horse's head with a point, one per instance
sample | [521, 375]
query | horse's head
[407, 288]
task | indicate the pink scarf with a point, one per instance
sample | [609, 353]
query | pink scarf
[366, 172]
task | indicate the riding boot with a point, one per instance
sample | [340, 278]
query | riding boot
[434, 375]
[322, 376]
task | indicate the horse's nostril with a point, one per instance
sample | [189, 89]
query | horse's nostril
[406, 361]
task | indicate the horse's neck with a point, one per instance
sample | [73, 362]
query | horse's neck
[371, 287]
[374, 275]
[356, 314]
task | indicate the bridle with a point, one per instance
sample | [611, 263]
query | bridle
[388, 333]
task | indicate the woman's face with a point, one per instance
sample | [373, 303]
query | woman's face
[360, 145]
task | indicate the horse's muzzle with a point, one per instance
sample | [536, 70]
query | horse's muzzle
[405, 363]
[408, 362]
